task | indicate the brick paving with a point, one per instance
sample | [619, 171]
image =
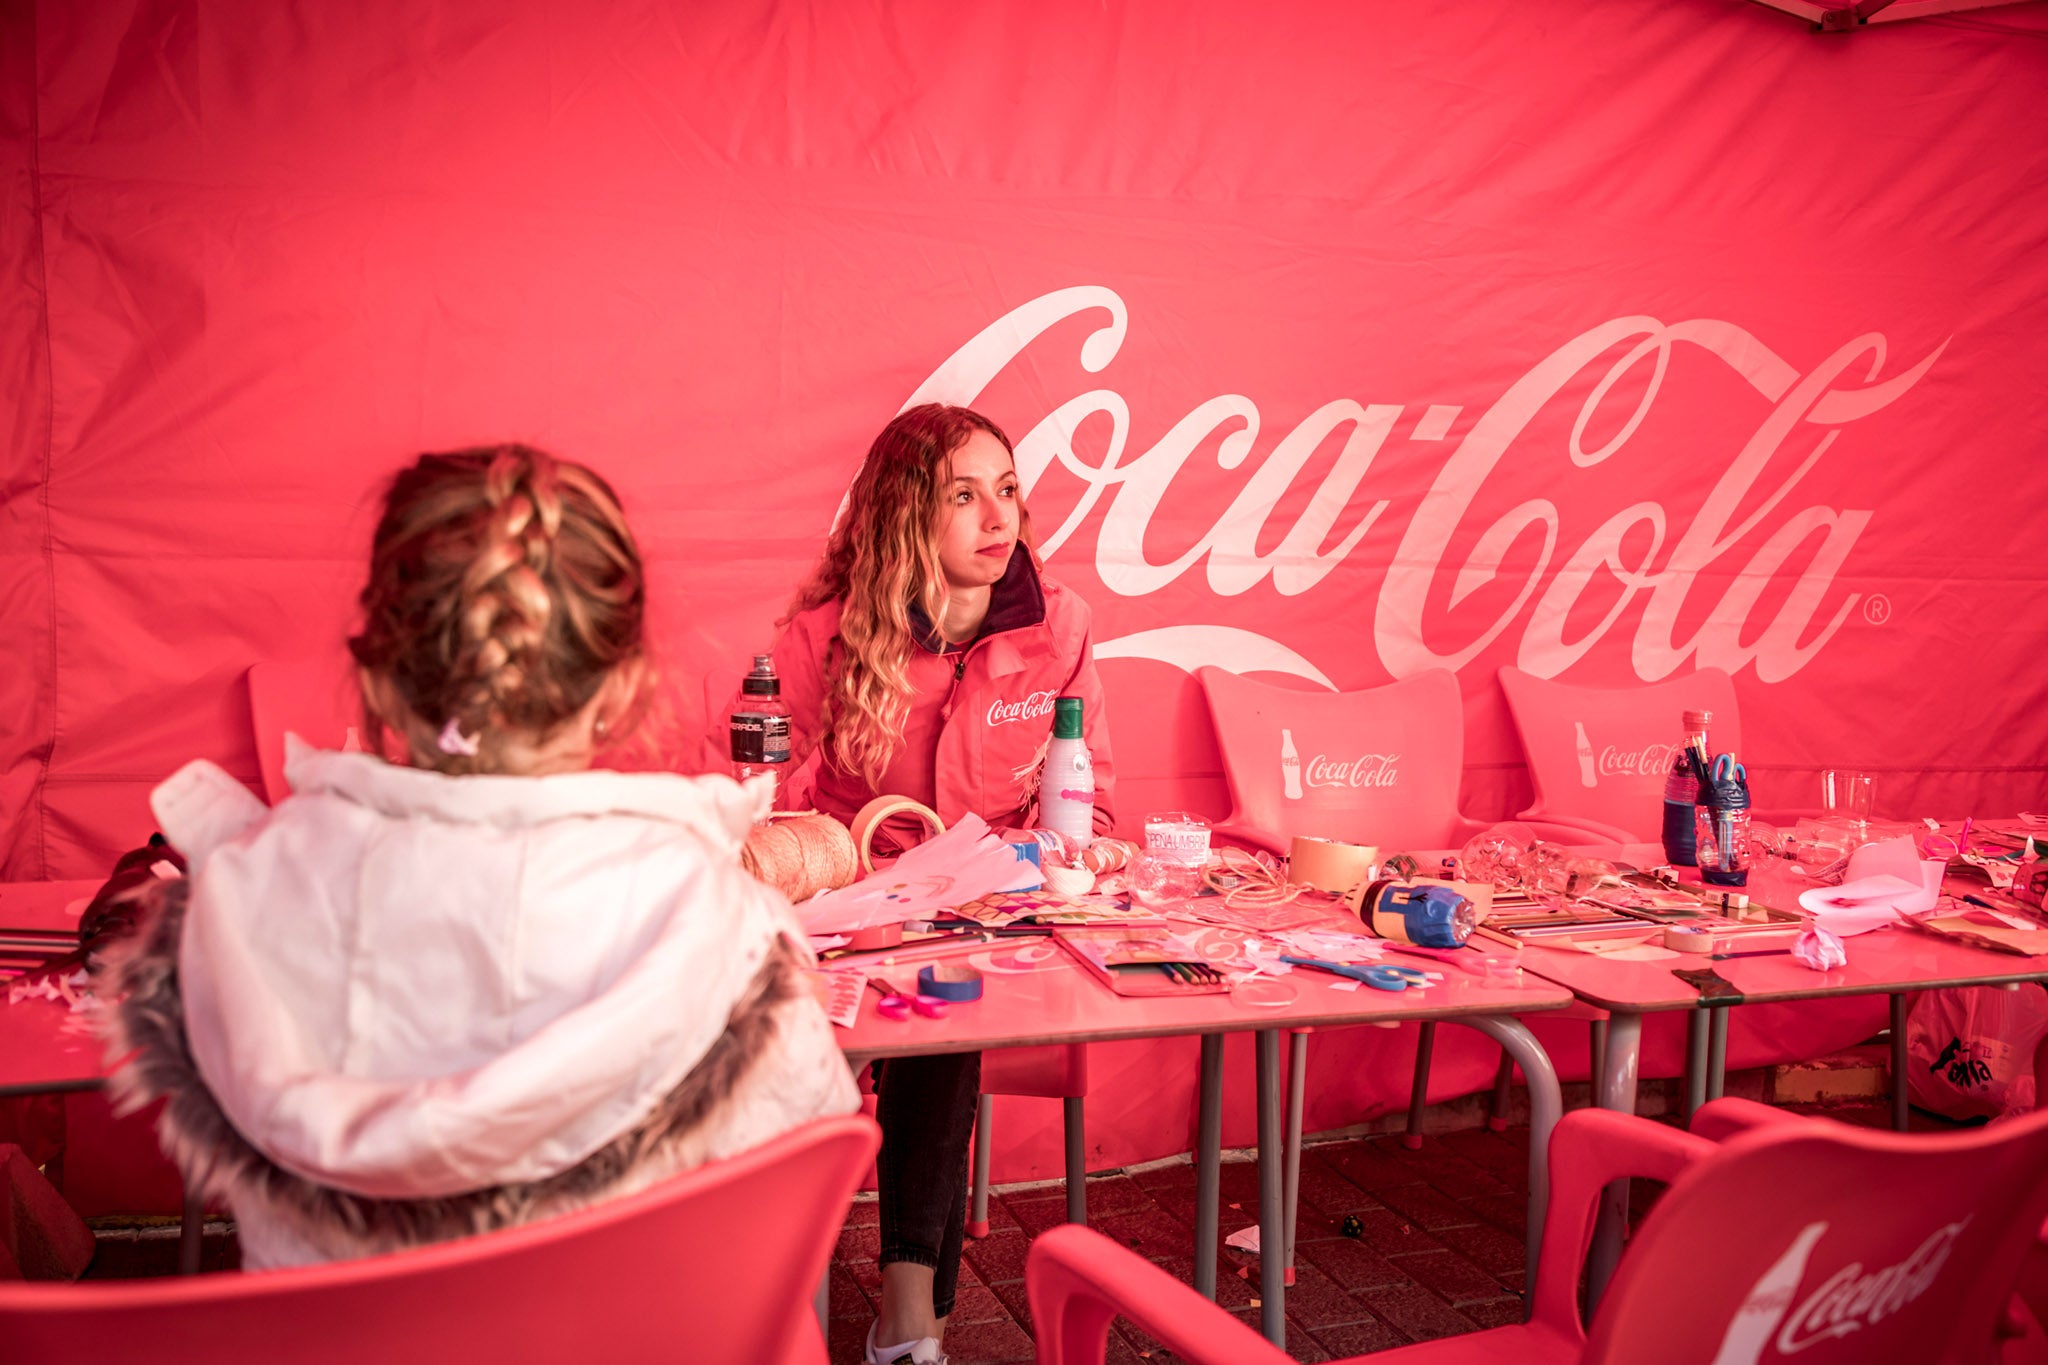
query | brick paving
[1441, 1252]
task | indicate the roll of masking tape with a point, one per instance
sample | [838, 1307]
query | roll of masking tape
[1329, 864]
[1688, 938]
[883, 808]
[949, 981]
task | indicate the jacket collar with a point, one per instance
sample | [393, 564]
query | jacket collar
[713, 806]
[1015, 602]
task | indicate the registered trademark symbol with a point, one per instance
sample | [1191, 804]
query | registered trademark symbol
[1877, 609]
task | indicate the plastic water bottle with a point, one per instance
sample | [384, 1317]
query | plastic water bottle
[760, 725]
[1066, 791]
[1682, 792]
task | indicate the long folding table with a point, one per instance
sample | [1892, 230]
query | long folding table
[1056, 1001]
[1895, 962]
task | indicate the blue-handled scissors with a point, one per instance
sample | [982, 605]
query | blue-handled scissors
[1725, 766]
[1380, 977]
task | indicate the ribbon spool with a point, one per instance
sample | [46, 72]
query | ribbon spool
[800, 853]
[949, 981]
[883, 808]
[1329, 864]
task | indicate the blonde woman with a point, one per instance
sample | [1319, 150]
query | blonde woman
[922, 659]
[481, 984]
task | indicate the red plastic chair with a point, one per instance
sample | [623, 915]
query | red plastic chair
[314, 698]
[1378, 767]
[1598, 756]
[719, 1263]
[1794, 1238]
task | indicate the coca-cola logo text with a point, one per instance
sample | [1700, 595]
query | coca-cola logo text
[1366, 770]
[1645, 560]
[1650, 759]
[1038, 704]
[1850, 1299]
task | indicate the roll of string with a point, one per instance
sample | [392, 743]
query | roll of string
[801, 853]
[1246, 883]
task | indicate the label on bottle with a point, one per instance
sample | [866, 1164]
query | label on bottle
[759, 738]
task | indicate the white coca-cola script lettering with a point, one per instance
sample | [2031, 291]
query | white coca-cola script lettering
[1651, 759]
[1366, 770]
[1849, 1300]
[1654, 572]
[1038, 704]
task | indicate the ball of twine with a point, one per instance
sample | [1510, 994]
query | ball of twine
[801, 853]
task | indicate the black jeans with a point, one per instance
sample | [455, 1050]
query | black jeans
[926, 1108]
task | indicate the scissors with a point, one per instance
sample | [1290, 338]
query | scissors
[894, 1005]
[1725, 767]
[1381, 977]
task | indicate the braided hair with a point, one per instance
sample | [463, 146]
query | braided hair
[504, 588]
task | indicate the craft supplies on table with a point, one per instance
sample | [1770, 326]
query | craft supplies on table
[1148, 962]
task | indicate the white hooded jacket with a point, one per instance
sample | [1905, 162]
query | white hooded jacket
[478, 999]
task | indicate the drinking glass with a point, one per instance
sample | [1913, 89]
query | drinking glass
[1848, 795]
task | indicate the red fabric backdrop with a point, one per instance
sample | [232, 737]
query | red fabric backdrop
[1607, 338]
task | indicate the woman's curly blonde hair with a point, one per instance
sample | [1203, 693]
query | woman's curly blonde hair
[880, 559]
[504, 588]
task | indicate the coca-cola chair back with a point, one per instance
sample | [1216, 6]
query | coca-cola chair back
[315, 698]
[716, 1264]
[1379, 766]
[1598, 756]
[1814, 1241]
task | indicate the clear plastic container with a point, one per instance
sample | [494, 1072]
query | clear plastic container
[1721, 838]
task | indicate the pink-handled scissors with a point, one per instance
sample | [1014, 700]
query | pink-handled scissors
[897, 1006]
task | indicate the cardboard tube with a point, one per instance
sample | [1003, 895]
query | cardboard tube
[1329, 864]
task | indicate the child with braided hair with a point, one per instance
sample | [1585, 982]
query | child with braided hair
[480, 984]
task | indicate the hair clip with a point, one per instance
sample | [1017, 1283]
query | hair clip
[453, 741]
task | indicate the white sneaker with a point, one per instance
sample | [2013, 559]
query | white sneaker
[923, 1351]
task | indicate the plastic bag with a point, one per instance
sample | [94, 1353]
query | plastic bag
[1970, 1050]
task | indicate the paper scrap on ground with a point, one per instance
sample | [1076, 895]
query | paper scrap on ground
[1247, 1239]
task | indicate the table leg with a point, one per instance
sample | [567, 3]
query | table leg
[1272, 1223]
[977, 1214]
[1418, 1089]
[1208, 1164]
[1717, 1051]
[191, 1233]
[1597, 1055]
[1297, 1082]
[1546, 1106]
[1077, 1159]
[1899, 1061]
[1617, 1092]
[1696, 1028]
[821, 1303]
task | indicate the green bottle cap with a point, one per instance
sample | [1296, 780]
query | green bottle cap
[1066, 718]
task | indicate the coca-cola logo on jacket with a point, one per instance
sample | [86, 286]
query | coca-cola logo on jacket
[1038, 704]
[1673, 578]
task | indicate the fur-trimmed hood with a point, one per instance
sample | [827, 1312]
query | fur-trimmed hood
[382, 1014]
[402, 983]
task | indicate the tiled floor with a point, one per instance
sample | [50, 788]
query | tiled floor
[1441, 1251]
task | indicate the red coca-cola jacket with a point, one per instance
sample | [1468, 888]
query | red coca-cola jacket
[980, 716]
